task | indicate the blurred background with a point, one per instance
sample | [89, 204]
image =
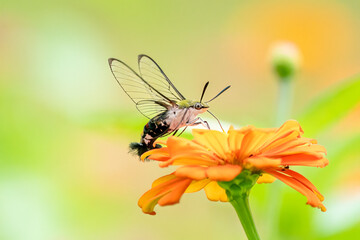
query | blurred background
[65, 124]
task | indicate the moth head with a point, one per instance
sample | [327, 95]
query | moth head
[202, 107]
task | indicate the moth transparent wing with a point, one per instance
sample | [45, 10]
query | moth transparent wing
[151, 108]
[137, 88]
[155, 76]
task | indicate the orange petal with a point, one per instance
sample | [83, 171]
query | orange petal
[192, 172]
[174, 196]
[231, 128]
[266, 178]
[289, 136]
[178, 146]
[197, 185]
[305, 181]
[163, 179]
[245, 129]
[235, 140]
[290, 130]
[217, 173]
[215, 193]
[192, 159]
[160, 152]
[223, 172]
[313, 148]
[251, 142]
[160, 141]
[300, 184]
[305, 159]
[289, 126]
[298, 142]
[262, 162]
[166, 193]
[214, 140]
[158, 186]
[158, 157]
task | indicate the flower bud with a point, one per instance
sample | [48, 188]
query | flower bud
[285, 59]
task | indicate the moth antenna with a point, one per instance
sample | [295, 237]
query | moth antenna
[219, 93]
[217, 120]
[204, 89]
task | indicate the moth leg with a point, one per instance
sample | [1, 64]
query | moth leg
[176, 132]
[182, 131]
[198, 121]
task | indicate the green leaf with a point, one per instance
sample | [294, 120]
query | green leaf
[330, 106]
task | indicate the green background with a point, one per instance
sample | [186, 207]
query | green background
[65, 171]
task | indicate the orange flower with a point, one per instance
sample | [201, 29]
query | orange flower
[214, 156]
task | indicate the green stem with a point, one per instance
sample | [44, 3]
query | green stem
[238, 191]
[283, 113]
[284, 101]
[242, 208]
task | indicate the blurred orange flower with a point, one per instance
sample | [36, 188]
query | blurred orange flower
[214, 156]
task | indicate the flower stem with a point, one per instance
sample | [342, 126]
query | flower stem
[283, 113]
[238, 191]
[284, 101]
[242, 208]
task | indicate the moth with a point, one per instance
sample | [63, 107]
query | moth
[156, 97]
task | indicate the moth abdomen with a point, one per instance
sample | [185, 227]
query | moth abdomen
[141, 148]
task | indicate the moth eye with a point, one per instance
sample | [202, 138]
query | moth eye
[197, 106]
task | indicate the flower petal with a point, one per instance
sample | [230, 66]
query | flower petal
[157, 152]
[174, 196]
[163, 179]
[193, 172]
[178, 146]
[214, 140]
[291, 144]
[193, 158]
[235, 140]
[197, 185]
[265, 178]
[310, 148]
[305, 181]
[223, 172]
[290, 130]
[215, 193]
[262, 162]
[166, 193]
[300, 184]
[160, 141]
[217, 173]
[251, 142]
[305, 159]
